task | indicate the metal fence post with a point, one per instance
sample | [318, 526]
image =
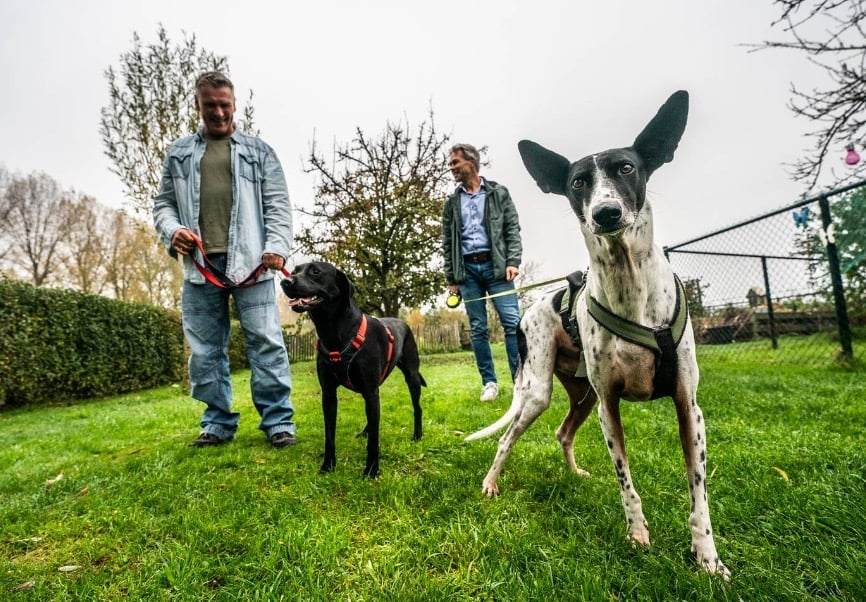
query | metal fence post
[771, 317]
[836, 279]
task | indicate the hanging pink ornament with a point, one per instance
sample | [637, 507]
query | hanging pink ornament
[852, 158]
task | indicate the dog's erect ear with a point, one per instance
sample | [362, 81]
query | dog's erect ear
[548, 169]
[345, 285]
[659, 139]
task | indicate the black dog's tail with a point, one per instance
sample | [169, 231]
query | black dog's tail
[421, 378]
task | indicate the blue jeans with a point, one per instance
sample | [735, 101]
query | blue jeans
[480, 282]
[206, 327]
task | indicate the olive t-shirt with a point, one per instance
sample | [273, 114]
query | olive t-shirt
[216, 195]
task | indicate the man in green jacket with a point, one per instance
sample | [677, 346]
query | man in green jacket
[482, 251]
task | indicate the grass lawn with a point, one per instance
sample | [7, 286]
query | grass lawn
[138, 515]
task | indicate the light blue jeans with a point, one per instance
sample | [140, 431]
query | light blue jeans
[480, 282]
[206, 324]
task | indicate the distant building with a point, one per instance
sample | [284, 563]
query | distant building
[756, 297]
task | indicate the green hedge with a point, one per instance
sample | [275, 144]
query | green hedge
[60, 344]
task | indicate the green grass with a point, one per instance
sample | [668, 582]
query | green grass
[144, 517]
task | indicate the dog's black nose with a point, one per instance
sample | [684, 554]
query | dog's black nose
[607, 215]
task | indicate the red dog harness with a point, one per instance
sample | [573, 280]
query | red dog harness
[341, 361]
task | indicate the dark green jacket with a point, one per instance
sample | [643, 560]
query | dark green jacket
[503, 230]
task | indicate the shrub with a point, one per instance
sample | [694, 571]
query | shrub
[61, 344]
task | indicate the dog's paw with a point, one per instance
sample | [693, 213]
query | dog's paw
[711, 563]
[639, 535]
[490, 489]
[718, 569]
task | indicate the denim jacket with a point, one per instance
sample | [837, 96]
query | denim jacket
[261, 214]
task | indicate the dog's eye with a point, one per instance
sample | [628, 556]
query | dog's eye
[625, 169]
[578, 183]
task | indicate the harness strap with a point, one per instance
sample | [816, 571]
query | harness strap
[342, 360]
[576, 283]
[663, 340]
[651, 338]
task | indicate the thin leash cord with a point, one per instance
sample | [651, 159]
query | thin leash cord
[516, 290]
[585, 395]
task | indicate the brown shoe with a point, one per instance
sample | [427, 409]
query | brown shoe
[284, 439]
[207, 440]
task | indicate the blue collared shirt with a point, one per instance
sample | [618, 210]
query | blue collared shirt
[473, 237]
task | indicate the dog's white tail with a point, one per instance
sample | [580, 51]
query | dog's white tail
[499, 424]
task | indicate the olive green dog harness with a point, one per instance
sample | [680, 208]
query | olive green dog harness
[661, 340]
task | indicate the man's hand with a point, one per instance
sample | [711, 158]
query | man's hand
[511, 273]
[183, 241]
[272, 261]
[453, 289]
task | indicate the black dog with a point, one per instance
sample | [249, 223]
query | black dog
[356, 350]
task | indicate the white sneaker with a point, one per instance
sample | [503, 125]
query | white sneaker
[489, 392]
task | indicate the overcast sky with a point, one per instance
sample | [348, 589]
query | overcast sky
[575, 76]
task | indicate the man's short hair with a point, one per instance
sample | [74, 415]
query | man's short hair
[215, 79]
[469, 152]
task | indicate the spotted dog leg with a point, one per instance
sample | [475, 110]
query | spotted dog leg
[694, 444]
[534, 399]
[611, 428]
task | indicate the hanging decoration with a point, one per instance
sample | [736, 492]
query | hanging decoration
[851, 157]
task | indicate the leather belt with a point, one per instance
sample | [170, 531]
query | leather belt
[481, 257]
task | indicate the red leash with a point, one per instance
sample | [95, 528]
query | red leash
[218, 278]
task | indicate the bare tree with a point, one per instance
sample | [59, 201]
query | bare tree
[84, 250]
[5, 208]
[138, 269]
[377, 214]
[120, 272]
[831, 34]
[160, 276]
[151, 105]
[37, 218]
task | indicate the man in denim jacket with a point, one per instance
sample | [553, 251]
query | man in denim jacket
[229, 190]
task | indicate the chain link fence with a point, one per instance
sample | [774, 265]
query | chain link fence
[791, 282]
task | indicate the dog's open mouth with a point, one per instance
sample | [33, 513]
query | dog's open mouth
[304, 303]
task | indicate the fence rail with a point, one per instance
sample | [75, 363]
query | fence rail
[431, 339]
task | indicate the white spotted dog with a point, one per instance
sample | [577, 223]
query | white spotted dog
[624, 334]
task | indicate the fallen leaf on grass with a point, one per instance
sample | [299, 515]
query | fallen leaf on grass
[23, 586]
[783, 473]
[260, 461]
[50, 482]
[84, 491]
[69, 568]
